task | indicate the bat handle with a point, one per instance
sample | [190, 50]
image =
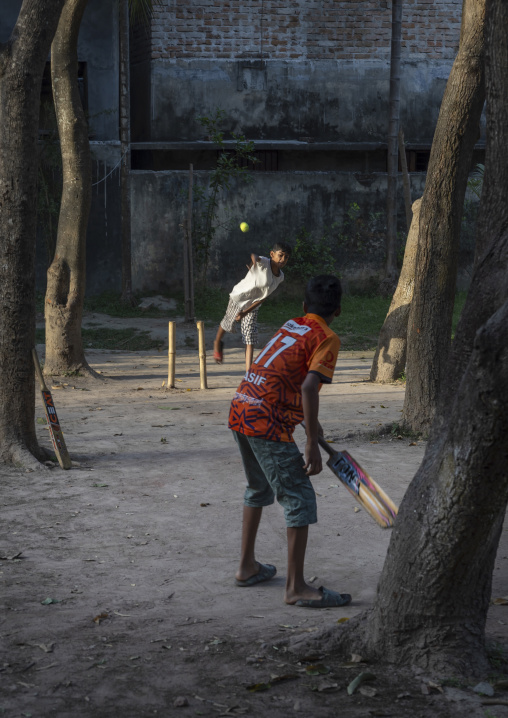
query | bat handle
[38, 370]
[323, 443]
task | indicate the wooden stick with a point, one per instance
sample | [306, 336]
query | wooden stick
[202, 354]
[171, 355]
[190, 267]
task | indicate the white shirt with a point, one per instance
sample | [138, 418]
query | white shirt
[258, 284]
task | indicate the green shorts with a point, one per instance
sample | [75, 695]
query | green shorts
[275, 469]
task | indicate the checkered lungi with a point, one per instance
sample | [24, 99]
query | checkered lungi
[248, 323]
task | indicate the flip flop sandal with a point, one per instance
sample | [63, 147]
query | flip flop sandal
[219, 356]
[330, 599]
[265, 573]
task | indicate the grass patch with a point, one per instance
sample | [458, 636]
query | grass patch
[358, 326]
[110, 303]
[125, 339]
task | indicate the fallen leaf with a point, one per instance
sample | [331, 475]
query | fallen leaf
[100, 618]
[500, 601]
[325, 686]
[357, 682]
[11, 558]
[49, 601]
[257, 687]
[284, 677]
[357, 510]
[47, 648]
[204, 504]
[317, 669]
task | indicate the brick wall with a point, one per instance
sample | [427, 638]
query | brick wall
[302, 29]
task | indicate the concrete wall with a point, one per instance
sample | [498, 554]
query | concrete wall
[276, 206]
[103, 244]
[330, 101]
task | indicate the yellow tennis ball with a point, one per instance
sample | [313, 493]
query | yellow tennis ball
[244, 227]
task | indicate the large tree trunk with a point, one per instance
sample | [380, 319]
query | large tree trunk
[22, 61]
[390, 358]
[430, 321]
[125, 142]
[435, 587]
[67, 274]
[393, 149]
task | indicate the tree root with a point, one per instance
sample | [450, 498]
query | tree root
[356, 636]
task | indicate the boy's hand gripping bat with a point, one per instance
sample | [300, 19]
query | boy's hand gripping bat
[365, 490]
[54, 427]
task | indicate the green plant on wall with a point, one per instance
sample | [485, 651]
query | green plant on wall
[310, 256]
[231, 164]
[352, 233]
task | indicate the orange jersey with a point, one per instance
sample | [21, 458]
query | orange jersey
[268, 402]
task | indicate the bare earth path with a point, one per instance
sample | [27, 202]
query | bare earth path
[117, 591]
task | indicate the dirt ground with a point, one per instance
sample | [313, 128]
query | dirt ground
[118, 576]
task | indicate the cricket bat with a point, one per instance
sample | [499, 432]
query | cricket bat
[365, 490]
[54, 426]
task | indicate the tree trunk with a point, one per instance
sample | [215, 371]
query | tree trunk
[67, 274]
[406, 181]
[435, 587]
[390, 358]
[125, 143]
[393, 152]
[430, 320]
[22, 60]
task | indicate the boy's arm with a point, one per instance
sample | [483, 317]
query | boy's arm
[310, 403]
[250, 309]
[254, 259]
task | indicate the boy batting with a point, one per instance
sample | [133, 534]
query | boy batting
[279, 391]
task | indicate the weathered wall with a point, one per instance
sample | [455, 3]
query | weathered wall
[276, 206]
[302, 29]
[280, 70]
[331, 101]
[103, 242]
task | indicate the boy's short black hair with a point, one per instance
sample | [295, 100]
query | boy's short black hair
[282, 247]
[323, 295]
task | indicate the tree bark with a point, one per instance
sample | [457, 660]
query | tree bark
[430, 321]
[125, 143]
[393, 153]
[67, 272]
[22, 60]
[406, 181]
[435, 587]
[390, 358]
